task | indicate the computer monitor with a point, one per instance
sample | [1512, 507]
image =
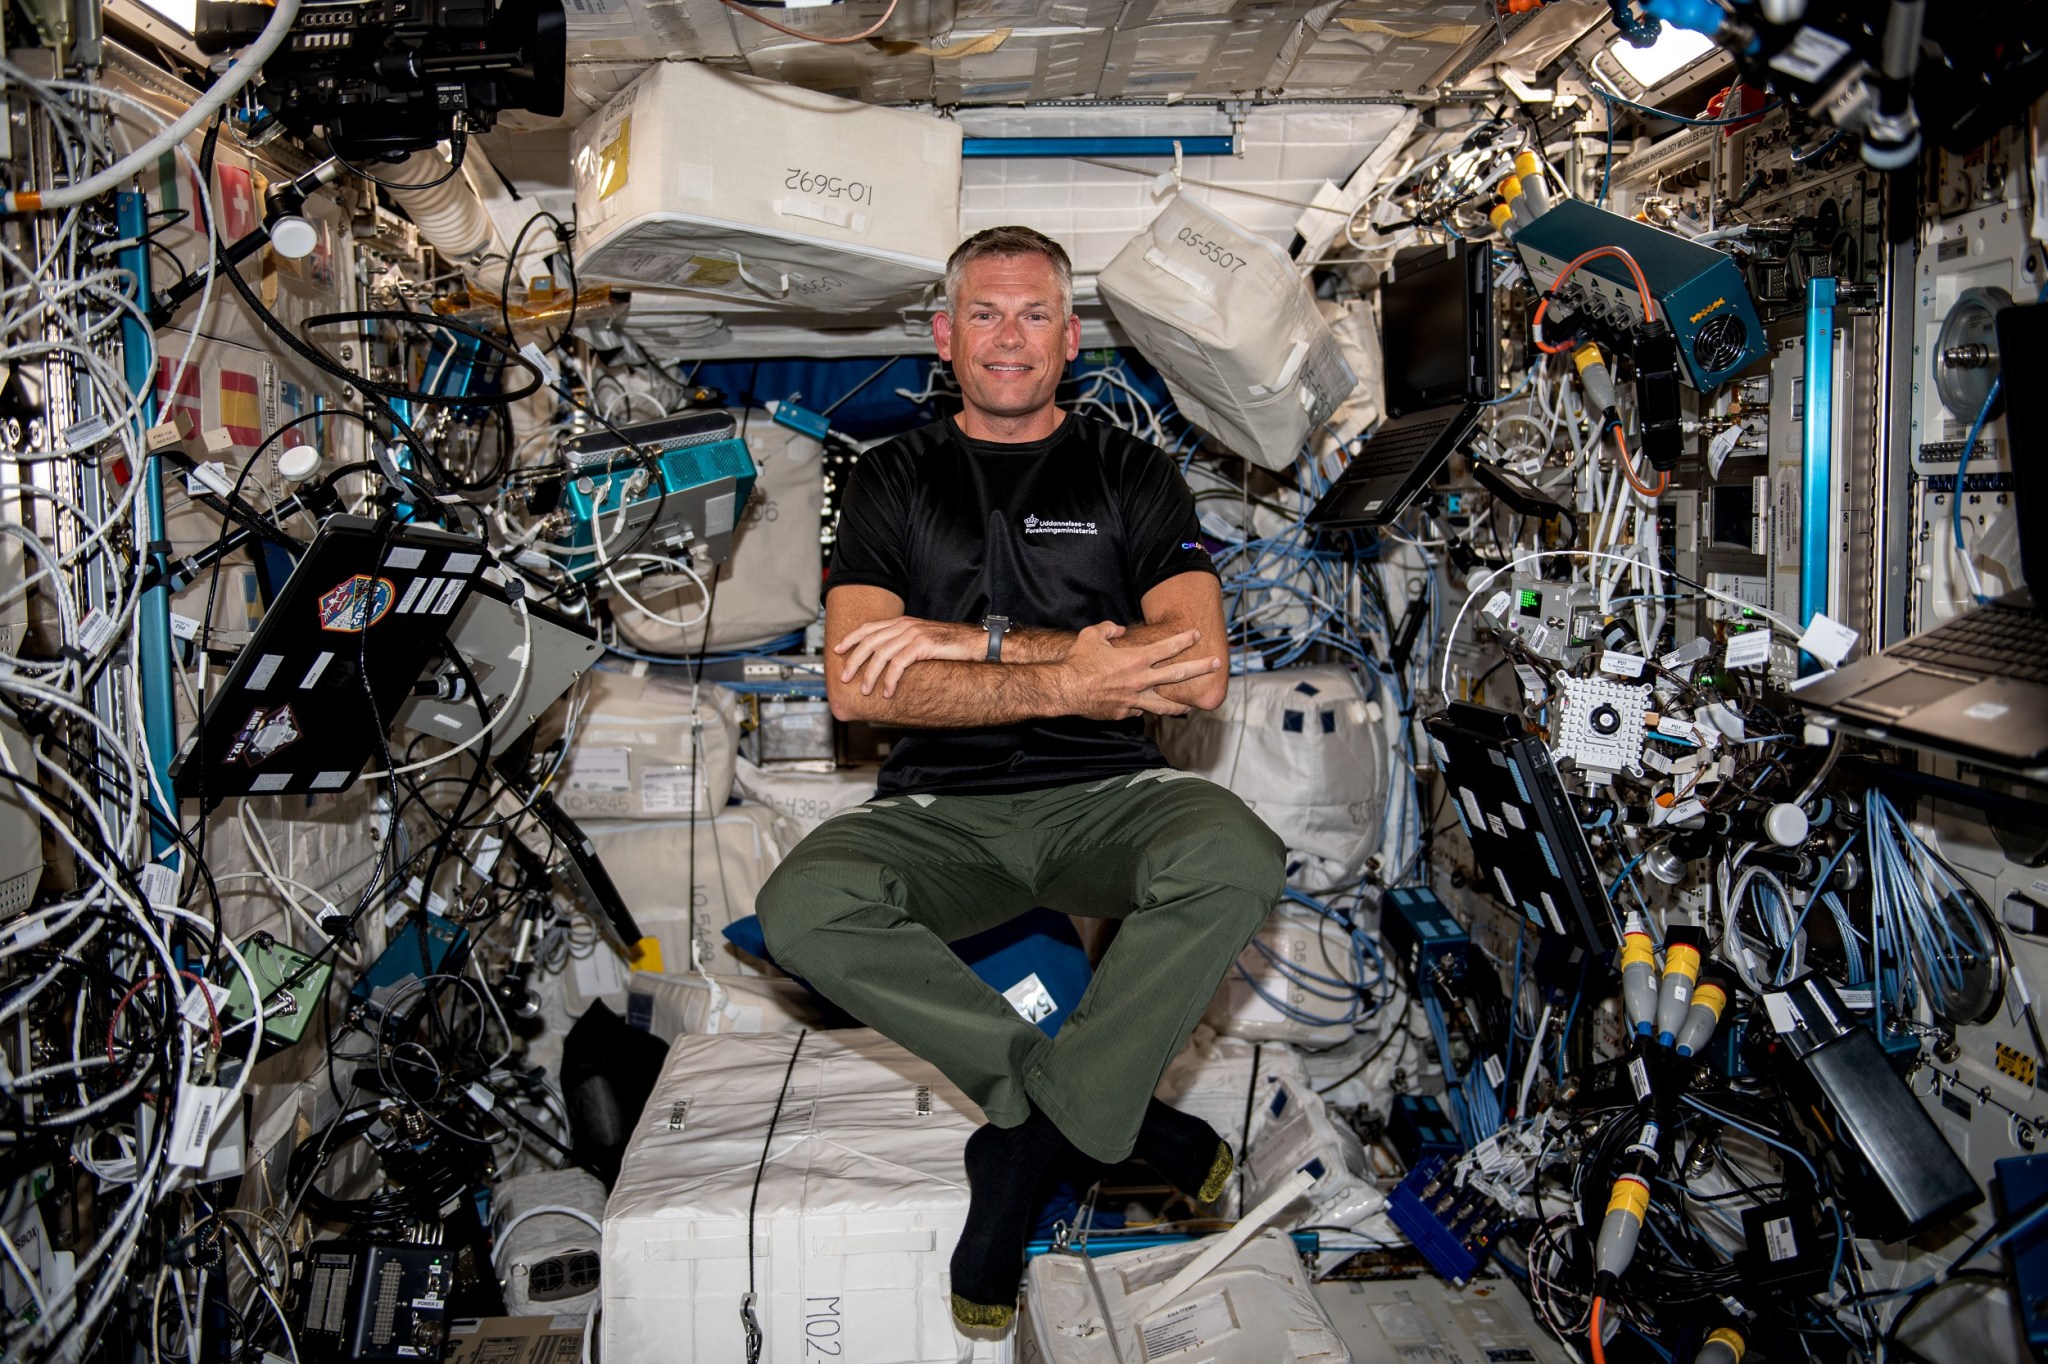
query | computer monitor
[1436, 317]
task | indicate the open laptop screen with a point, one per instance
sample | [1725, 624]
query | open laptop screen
[1434, 306]
[2022, 346]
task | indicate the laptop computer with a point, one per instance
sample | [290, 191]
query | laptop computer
[1976, 686]
[358, 619]
[1436, 337]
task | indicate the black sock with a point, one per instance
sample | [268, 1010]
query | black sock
[1184, 1149]
[1005, 1166]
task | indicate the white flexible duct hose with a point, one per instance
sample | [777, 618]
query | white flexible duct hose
[449, 215]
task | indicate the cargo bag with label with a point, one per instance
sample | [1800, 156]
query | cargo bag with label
[1257, 1307]
[1306, 751]
[862, 1193]
[1228, 321]
[639, 752]
[707, 180]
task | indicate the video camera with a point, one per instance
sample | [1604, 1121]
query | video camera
[381, 78]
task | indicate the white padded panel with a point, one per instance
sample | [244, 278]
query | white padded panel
[1092, 210]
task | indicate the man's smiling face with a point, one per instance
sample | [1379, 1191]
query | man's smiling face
[1008, 336]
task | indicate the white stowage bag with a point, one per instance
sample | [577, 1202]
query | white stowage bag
[708, 180]
[862, 1193]
[649, 862]
[1228, 321]
[1303, 748]
[804, 800]
[634, 754]
[676, 1004]
[1257, 1307]
[1222, 1081]
[769, 587]
[1215, 1079]
[1295, 1130]
[1356, 325]
[547, 1261]
[1248, 1000]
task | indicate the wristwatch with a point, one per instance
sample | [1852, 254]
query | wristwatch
[995, 625]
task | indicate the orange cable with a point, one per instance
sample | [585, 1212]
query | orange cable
[1635, 271]
[1599, 1345]
[1628, 470]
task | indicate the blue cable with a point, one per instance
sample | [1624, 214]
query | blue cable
[1513, 393]
[1819, 884]
[1681, 118]
[1963, 463]
[1571, 1016]
[1655, 1348]
[1606, 166]
[1801, 158]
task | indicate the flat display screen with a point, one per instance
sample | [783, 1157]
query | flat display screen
[1427, 328]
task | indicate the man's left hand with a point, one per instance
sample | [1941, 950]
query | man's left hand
[881, 649]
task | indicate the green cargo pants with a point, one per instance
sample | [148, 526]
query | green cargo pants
[864, 907]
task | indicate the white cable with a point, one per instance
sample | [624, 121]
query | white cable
[504, 1233]
[239, 74]
[512, 695]
[1444, 679]
[604, 562]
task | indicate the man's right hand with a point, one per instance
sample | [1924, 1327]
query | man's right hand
[1103, 682]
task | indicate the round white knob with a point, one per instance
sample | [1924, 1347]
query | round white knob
[293, 237]
[299, 463]
[1786, 825]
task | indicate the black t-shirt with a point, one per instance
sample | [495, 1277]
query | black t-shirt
[1057, 534]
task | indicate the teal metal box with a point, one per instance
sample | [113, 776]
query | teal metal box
[685, 485]
[1699, 291]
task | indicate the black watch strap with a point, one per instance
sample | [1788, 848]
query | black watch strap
[996, 627]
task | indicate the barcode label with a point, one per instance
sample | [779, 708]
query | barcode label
[193, 1129]
[531, 353]
[159, 884]
[195, 1008]
[89, 432]
[95, 631]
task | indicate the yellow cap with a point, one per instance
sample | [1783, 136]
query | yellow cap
[1510, 188]
[1711, 996]
[1501, 216]
[1636, 950]
[1631, 1196]
[1682, 959]
[1587, 356]
[1527, 164]
[1732, 1338]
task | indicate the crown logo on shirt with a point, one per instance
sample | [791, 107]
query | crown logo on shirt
[1030, 522]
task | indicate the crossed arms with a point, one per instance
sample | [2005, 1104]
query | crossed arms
[886, 666]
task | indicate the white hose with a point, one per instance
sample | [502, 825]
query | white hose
[449, 215]
[226, 88]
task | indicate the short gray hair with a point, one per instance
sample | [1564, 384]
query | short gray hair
[1009, 241]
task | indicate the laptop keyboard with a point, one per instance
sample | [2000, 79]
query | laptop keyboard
[1995, 640]
[1394, 451]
